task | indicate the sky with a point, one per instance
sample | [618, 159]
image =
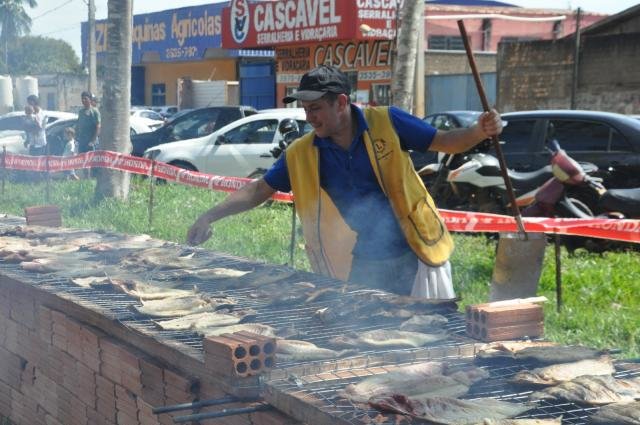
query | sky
[61, 19]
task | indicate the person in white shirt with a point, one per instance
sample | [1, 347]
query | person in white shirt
[35, 125]
[70, 149]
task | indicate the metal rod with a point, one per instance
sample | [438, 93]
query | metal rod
[199, 404]
[292, 243]
[494, 139]
[576, 61]
[48, 174]
[558, 274]
[4, 166]
[152, 181]
[222, 413]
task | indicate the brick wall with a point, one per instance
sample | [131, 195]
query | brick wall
[57, 370]
[538, 75]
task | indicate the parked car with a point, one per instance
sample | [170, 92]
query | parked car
[12, 135]
[239, 149]
[446, 120]
[166, 111]
[610, 141]
[192, 124]
[148, 114]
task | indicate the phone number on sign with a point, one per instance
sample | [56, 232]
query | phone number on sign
[181, 52]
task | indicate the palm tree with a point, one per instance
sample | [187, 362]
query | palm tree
[407, 49]
[14, 22]
[116, 98]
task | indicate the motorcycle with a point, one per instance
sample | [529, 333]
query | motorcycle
[475, 182]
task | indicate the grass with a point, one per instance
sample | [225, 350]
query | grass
[601, 306]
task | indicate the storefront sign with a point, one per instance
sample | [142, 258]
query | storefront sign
[287, 22]
[176, 35]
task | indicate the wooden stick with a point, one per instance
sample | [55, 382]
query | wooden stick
[494, 139]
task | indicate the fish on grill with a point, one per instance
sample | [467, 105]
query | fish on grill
[265, 276]
[449, 411]
[424, 322]
[430, 383]
[387, 338]
[146, 291]
[592, 390]
[207, 319]
[617, 414]
[256, 328]
[539, 352]
[164, 258]
[183, 306]
[553, 421]
[296, 350]
[555, 374]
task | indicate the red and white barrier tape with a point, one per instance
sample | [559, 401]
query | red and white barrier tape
[458, 221]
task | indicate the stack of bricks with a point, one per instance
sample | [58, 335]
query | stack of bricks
[239, 354]
[500, 322]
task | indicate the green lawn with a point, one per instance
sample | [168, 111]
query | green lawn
[601, 302]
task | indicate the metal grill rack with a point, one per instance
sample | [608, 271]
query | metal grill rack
[317, 396]
[295, 319]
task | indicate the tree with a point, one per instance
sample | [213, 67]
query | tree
[407, 50]
[42, 55]
[14, 21]
[114, 135]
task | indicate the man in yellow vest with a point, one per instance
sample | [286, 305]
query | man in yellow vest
[366, 215]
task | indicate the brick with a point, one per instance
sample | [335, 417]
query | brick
[183, 383]
[24, 312]
[107, 409]
[110, 372]
[96, 418]
[126, 402]
[124, 419]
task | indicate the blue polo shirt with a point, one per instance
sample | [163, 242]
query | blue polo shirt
[348, 177]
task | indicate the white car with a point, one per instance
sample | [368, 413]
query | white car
[150, 118]
[240, 149]
[11, 134]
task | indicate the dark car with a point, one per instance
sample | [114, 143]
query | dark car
[189, 125]
[447, 120]
[610, 141]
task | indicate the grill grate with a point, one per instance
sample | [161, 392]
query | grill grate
[322, 392]
[295, 319]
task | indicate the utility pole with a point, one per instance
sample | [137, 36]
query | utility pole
[576, 61]
[91, 55]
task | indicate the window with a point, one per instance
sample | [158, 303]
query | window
[517, 39]
[517, 136]
[445, 42]
[588, 136]
[260, 131]
[197, 124]
[486, 34]
[158, 94]
[381, 94]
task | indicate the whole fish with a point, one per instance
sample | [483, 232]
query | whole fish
[557, 373]
[592, 390]
[387, 338]
[147, 291]
[207, 319]
[256, 328]
[424, 323]
[432, 385]
[296, 350]
[553, 421]
[449, 411]
[617, 414]
[182, 306]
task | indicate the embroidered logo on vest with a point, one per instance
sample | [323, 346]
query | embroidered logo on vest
[382, 149]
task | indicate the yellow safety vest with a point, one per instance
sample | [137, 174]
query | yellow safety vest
[329, 240]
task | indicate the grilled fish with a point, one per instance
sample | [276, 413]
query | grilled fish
[555, 374]
[207, 319]
[146, 291]
[387, 338]
[295, 350]
[266, 276]
[592, 390]
[554, 421]
[449, 411]
[424, 322]
[256, 328]
[431, 385]
[617, 414]
[182, 306]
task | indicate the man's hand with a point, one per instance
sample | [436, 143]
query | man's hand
[199, 232]
[490, 123]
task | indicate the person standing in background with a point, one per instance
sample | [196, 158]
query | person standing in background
[88, 125]
[70, 149]
[35, 124]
